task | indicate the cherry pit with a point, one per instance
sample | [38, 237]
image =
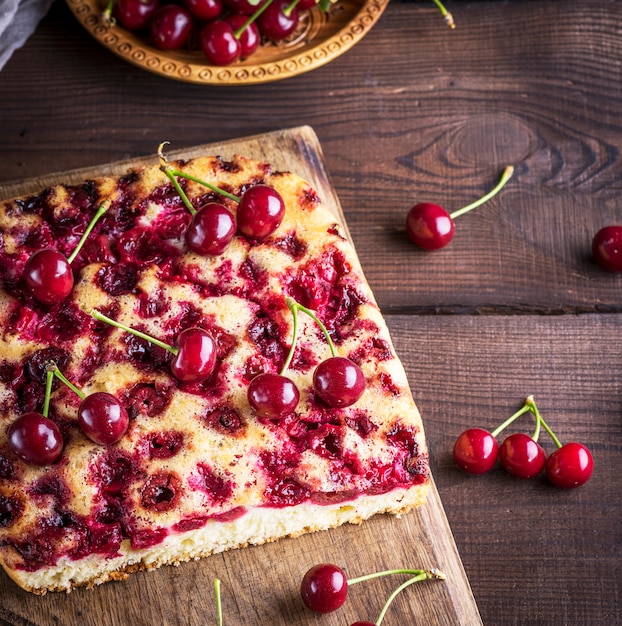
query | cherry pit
[476, 451]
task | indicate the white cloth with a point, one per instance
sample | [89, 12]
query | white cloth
[18, 20]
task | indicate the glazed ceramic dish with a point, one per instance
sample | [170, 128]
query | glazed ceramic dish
[320, 38]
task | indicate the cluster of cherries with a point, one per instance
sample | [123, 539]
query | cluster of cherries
[476, 451]
[36, 439]
[338, 381]
[431, 227]
[225, 30]
[324, 588]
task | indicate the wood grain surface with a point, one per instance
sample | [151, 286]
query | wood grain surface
[514, 306]
[419, 540]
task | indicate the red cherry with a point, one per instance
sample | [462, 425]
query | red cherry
[204, 9]
[272, 395]
[249, 38]
[35, 439]
[260, 211]
[339, 381]
[135, 14]
[278, 21]
[521, 456]
[219, 43]
[102, 418]
[241, 6]
[211, 229]
[48, 276]
[429, 226]
[607, 248]
[170, 27]
[570, 466]
[476, 451]
[324, 588]
[306, 4]
[196, 357]
[363, 624]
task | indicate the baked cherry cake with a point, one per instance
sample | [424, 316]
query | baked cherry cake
[261, 397]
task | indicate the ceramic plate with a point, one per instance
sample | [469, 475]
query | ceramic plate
[319, 38]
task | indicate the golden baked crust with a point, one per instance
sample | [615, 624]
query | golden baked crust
[197, 471]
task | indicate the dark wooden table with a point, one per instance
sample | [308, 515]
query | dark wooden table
[514, 306]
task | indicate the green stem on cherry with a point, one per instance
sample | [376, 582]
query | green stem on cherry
[218, 601]
[104, 206]
[238, 33]
[171, 173]
[507, 174]
[324, 5]
[290, 7]
[52, 367]
[510, 419]
[530, 402]
[294, 307]
[104, 318]
[48, 392]
[107, 13]
[446, 15]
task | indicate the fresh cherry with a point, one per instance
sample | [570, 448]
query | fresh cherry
[211, 229]
[102, 418]
[339, 381]
[196, 356]
[260, 211]
[476, 451]
[219, 43]
[521, 456]
[279, 20]
[135, 14]
[570, 466]
[324, 588]
[273, 395]
[247, 34]
[607, 248]
[204, 9]
[35, 439]
[170, 27]
[48, 276]
[431, 227]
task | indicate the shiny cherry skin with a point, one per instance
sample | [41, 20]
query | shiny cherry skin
[607, 248]
[338, 381]
[135, 14]
[306, 4]
[324, 588]
[211, 229]
[476, 451]
[204, 9]
[429, 226]
[35, 439]
[249, 38]
[219, 43]
[274, 23]
[260, 211]
[570, 466]
[102, 418]
[244, 7]
[48, 276]
[196, 357]
[170, 27]
[521, 456]
[273, 395]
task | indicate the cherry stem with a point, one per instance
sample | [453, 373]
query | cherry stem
[510, 419]
[171, 173]
[290, 7]
[431, 573]
[507, 174]
[294, 307]
[52, 367]
[218, 601]
[48, 392]
[104, 318]
[531, 403]
[104, 206]
[238, 33]
[107, 13]
[447, 16]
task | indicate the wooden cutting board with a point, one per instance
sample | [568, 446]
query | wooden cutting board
[260, 584]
